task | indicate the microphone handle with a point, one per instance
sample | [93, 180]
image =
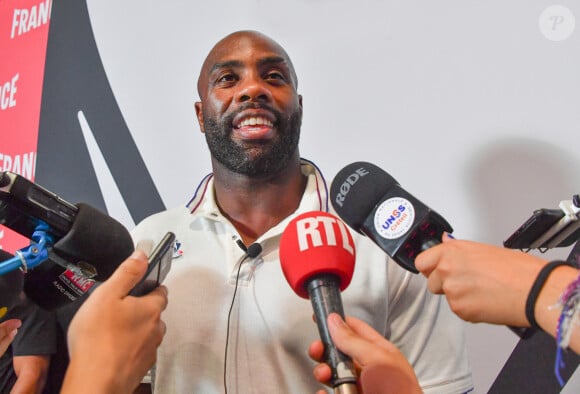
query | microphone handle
[324, 294]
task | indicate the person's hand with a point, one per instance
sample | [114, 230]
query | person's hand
[383, 368]
[113, 338]
[8, 330]
[482, 283]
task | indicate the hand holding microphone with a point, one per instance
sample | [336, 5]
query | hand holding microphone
[383, 368]
[475, 278]
[317, 256]
[482, 283]
[374, 204]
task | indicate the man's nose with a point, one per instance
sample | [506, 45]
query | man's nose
[254, 89]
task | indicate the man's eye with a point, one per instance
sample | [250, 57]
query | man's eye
[226, 78]
[275, 75]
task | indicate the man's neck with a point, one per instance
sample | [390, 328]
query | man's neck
[256, 205]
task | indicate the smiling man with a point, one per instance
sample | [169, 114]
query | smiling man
[250, 111]
[233, 323]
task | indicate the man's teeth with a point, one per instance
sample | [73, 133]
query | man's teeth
[255, 120]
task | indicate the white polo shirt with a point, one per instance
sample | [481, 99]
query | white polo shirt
[270, 326]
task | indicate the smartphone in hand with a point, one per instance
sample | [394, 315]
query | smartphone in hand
[159, 266]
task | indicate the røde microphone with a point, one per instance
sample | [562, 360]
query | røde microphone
[373, 203]
[317, 256]
[10, 286]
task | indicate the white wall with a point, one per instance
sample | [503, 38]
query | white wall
[467, 103]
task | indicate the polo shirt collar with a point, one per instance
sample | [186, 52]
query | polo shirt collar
[315, 197]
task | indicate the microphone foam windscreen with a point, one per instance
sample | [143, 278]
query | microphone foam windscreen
[97, 239]
[316, 243]
[356, 189]
[10, 286]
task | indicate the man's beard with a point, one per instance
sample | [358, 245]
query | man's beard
[273, 155]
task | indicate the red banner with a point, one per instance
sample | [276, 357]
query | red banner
[23, 37]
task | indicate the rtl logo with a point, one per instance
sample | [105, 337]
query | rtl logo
[319, 231]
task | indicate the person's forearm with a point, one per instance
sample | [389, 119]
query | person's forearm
[546, 312]
[24, 385]
[31, 372]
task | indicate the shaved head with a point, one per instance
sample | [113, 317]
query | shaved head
[235, 40]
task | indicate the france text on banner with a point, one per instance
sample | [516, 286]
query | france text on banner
[23, 37]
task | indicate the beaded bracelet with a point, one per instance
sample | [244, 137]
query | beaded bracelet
[569, 301]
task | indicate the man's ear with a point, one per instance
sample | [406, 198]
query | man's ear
[199, 114]
[300, 104]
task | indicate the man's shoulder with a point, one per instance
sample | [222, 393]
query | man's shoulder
[169, 218]
[169, 214]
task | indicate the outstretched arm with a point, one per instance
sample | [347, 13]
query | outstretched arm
[485, 283]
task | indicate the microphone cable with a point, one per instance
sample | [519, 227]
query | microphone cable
[252, 251]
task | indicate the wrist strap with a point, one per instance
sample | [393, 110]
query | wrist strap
[537, 287]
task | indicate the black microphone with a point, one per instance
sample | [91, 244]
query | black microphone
[251, 251]
[84, 245]
[88, 253]
[254, 250]
[10, 286]
[374, 204]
